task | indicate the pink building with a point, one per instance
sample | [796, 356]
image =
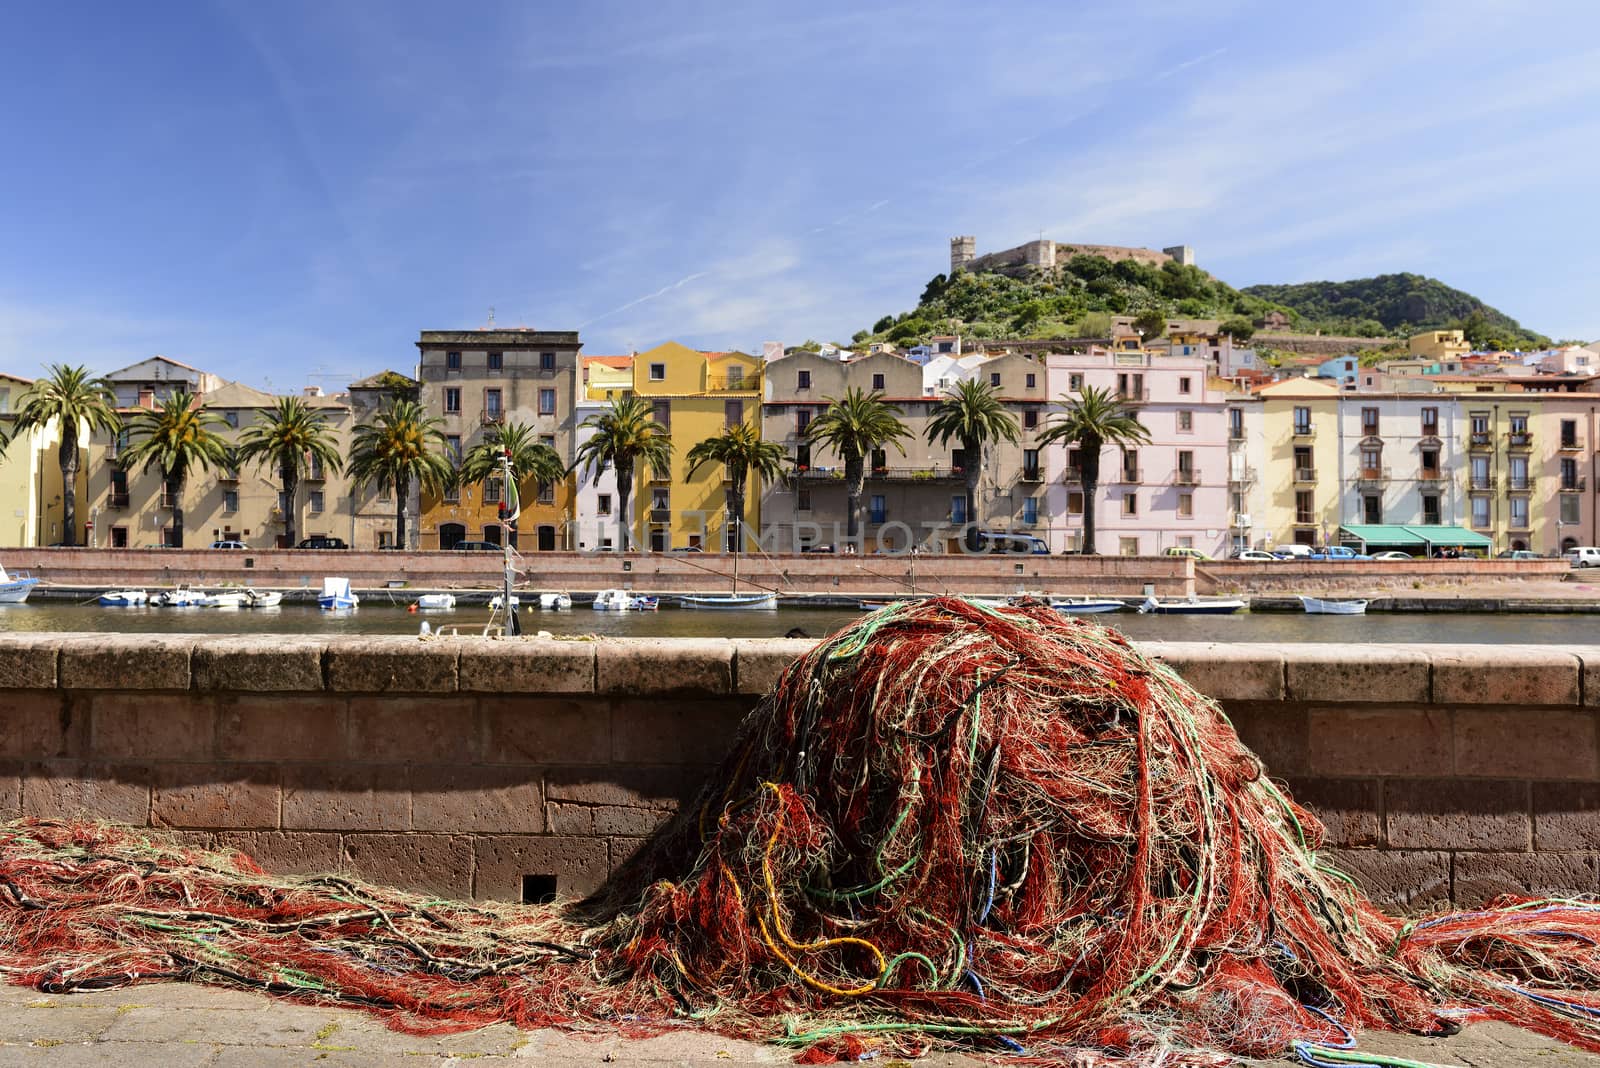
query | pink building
[1171, 492]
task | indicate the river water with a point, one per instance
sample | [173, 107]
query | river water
[1462, 628]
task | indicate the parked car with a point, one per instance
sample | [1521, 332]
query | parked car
[1293, 552]
[1255, 554]
[1338, 552]
[1184, 550]
[321, 541]
[816, 548]
[995, 542]
[227, 545]
[687, 549]
[1393, 554]
[1583, 556]
[476, 546]
[1518, 554]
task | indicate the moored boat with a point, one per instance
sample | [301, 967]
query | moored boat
[623, 601]
[498, 601]
[231, 599]
[1087, 606]
[1318, 606]
[730, 600]
[549, 601]
[437, 601]
[14, 588]
[262, 598]
[123, 598]
[179, 597]
[336, 594]
[1190, 606]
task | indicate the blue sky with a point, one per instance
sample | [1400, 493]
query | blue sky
[287, 190]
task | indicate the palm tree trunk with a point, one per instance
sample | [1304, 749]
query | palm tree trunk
[68, 457]
[291, 482]
[625, 503]
[855, 479]
[177, 509]
[1090, 466]
[402, 490]
[973, 451]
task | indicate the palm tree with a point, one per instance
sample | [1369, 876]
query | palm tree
[294, 439]
[176, 437]
[401, 444]
[624, 436]
[853, 426]
[80, 401]
[974, 415]
[1097, 418]
[742, 453]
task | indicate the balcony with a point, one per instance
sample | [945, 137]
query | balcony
[1480, 482]
[1235, 438]
[1519, 439]
[318, 473]
[1430, 433]
[1373, 475]
[733, 384]
[1431, 475]
[1370, 430]
[228, 474]
[491, 416]
[169, 500]
[1305, 430]
[916, 474]
[1570, 445]
[661, 515]
[1239, 521]
[1523, 484]
[117, 500]
[1242, 476]
[1305, 474]
[1031, 474]
[1572, 485]
[1484, 440]
[1129, 476]
[1186, 478]
[1304, 519]
[1133, 396]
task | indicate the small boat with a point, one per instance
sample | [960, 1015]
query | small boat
[262, 598]
[623, 601]
[644, 604]
[731, 600]
[180, 597]
[123, 598]
[14, 589]
[337, 594]
[226, 600]
[438, 601]
[1087, 606]
[499, 599]
[549, 601]
[1190, 606]
[1318, 606]
[873, 606]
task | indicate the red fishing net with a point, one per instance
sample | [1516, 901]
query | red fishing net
[948, 824]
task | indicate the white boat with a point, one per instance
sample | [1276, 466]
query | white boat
[623, 601]
[1190, 606]
[549, 601]
[436, 601]
[1087, 606]
[231, 599]
[499, 600]
[1318, 606]
[337, 594]
[180, 597]
[14, 589]
[123, 598]
[731, 600]
[262, 598]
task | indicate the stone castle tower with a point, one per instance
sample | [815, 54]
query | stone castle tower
[963, 250]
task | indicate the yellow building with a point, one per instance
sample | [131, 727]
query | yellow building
[695, 395]
[607, 377]
[1300, 483]
[1439, 344]
[1505, 452]
[31, 507]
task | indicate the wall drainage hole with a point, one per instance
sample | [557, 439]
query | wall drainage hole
[538, 889]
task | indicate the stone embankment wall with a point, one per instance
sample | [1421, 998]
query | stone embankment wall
[480, 768]
[1354, 576]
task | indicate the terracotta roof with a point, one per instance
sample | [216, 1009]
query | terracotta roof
[610, 361]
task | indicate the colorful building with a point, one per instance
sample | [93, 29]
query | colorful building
[32, 509]
[1439, 344]
[1299, 464]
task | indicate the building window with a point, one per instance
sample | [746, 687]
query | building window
[1183, 384]
[491, 490]
[1186, 474]
[1369, 422]
[1569, 473]
[284, 504]
[1569, 433]
[1236, 424]
[1185, 422]
[1302, 420]
[877, 381]
[802, 419]
[658, 372]
[452, 361]
[1130, 504]
[994, 379]
[497, 361]
[1074, 502]
[602, 504]
[230, 500]
[119, 537]
[1074, 383]
[547, 361]
[452, 401]
[1371, 508]
[1430, 509]
[1130, 465]
[1128, 546]
[1519, 513]
[1030, 465]
[802, 500]
[1185, 506]
[1430, 422]
[1030, 380]
[1519, 473]
[802, 380]
[1571, 506]
[1480, 473]
[547, 402]
[1030, 510]
[314, 500]
[1030, 419]
[1430, 463]
[1371, 462]
[660, 502]
[877, 509]
[546, 494]
[492, 406]
[119, 488]
[231, 417]
[661, 412]
[1480, 428]
[452, 448]
[1304, 509]
[1480, 511]
[958, 509]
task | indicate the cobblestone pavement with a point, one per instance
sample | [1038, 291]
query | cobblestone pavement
[177, 1025]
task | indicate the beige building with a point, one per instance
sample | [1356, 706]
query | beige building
[1439, 344]
[31, 501]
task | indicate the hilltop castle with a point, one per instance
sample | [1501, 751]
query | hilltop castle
[1045, 254]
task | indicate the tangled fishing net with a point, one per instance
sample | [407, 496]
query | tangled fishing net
[949, 823]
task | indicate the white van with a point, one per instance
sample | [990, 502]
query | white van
[1583, 556]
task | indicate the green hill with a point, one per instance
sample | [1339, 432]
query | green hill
[1077, 299]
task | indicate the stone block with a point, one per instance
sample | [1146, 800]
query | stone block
[623, 849]
[1566, 815]
[392, 665]
[673, 732]
[1409, 881]
[1275, 731]
[28, 661]
[398, 729]
[1551, 743]
[1224, 671]
[1505, 675]
[126, 662]
[579, 864]
[214, 795]
[10, 790]
[1481, 877]
[38, 723]
[1479, 814]
[546, 730]
[259, 665]
[285, 852]
[527, 666]
[615, 820]
[495, 800]
[1348, 809]
[63, 789]
[569, 819]
[757, 662]
[151, 726]
[646, 787]
[1356, 741]
[305, 727]
[334, 797]
[664, 666]
[1339, 672]
[427, 863]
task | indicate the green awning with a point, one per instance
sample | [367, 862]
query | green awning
[1414, 536]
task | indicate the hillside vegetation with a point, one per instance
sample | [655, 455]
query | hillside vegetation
[1078, 298]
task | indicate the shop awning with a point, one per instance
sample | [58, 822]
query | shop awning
[1413, 536]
